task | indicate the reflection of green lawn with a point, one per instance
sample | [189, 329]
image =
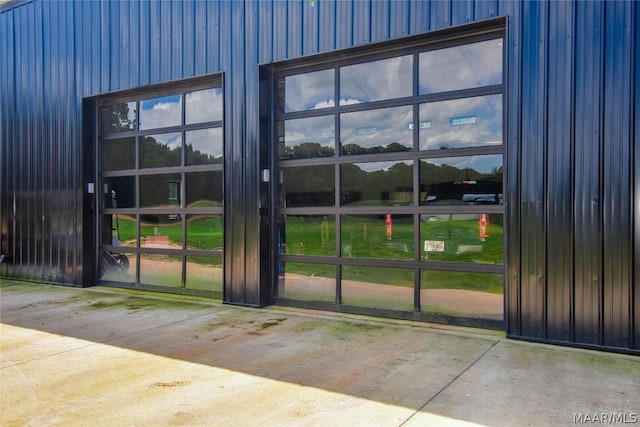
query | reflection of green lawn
[203, 233]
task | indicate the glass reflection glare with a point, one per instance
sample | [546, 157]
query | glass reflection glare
[376, 80]
[461, 67]
[377, 131]
[161, 270]
[458, 123]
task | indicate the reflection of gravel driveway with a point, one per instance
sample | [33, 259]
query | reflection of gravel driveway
[459, 302]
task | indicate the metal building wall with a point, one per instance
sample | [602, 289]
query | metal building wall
[573, 191]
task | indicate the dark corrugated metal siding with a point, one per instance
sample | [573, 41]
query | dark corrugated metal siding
[573, 184]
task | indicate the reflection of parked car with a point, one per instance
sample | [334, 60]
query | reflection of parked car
[473, 192]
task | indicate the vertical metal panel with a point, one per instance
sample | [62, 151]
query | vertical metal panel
[295, 31]
[344, 24]
[251, 166]
[419, 16]
[533, 140]
[361, 22]
[200, 38]
[309, 27]
[265, 37]
[617, 154]
[399, 17]
[440, 14]
[380, 21]
[486, 9]
[559, 178]
[462, 12]
[587, 205]
[327, 25]
[279, 30]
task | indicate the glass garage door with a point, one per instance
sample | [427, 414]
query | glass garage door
[161, 170]
[390, 183]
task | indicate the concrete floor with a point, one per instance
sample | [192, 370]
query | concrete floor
[108, 357]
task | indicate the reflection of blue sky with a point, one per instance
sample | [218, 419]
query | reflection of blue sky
[482, 164]
[309, 91]
[487, 129]
[461, 67]
[313, 129]
[376, 80]
[207, 141]
[204, 106]
[380, 166]
[161, 112]
[377, 127]
[171, 140]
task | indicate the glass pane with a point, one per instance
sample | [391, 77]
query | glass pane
[308, 137]
[204, 146]
[461, 67]
[118, 267]
[161, 270]
[477, 238]
[454, 293]
[376, 80]
[120, 192]
[204, 105]
[377, 131]
[309, 235]
[118, 154]
[205, 232]
[377, 183]
[204, 189]
[377, 287]
[458, 123]
[377, 236]
[161, 231]
[161, 112]
[162, 150]
[307, 282]
[204, 273]
[308, 186]
[119, 117]
[308, 91]
[475, 180]
[119, 230]
[160, 191]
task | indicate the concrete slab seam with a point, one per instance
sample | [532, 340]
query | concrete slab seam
[450, 382]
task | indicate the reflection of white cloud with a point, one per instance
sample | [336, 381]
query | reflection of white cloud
[313, 129]
[377, 80]
[204, 106]
[458, 67]
[486, 129]
[349, 101]
[207, 141]
[379, 127]
[161, 112]
[309, 90]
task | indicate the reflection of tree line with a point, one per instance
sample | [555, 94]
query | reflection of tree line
[314, 149]
[314, 186]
